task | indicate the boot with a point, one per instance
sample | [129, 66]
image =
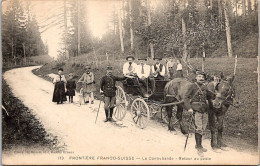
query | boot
[111, 115]
[203, 149]
[200, 149]
[107, 119]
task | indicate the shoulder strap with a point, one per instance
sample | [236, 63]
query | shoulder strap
[199, 89]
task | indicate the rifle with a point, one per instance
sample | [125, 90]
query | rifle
[188, 133]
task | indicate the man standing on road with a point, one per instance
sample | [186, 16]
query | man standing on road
[196, 102]
[108, 88]
[88, 85]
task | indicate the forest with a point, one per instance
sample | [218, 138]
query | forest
[179, 28]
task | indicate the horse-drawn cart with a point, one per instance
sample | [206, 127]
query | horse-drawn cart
[143, 103]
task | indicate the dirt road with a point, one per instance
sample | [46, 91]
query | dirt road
[89, 143]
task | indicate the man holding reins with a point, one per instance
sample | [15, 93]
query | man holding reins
[196, 102]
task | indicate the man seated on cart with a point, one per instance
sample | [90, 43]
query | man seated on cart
[143, 73]
[158, 71]
[129, 70]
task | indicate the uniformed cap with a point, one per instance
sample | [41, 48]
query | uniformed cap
[198, 72]
[130, 57]
[142, 59]
[60, 69]
[109, 68]
[87, 67]
[157, 58]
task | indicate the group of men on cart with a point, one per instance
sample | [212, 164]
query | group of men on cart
[196, 100]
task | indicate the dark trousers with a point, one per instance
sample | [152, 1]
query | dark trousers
[109, 106]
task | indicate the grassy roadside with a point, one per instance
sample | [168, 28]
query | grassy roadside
[240, 123]
[20, 127]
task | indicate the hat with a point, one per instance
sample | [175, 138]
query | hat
[71, 74]
[142, 59]
[60, 69]
[87, 67]
[198, 72]
[157, 58]
[130, 56]
[109, 67]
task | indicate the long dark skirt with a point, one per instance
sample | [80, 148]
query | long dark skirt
[59, 94]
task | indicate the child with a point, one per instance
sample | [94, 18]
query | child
[71, 86]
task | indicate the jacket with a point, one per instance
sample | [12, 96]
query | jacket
[107, 85]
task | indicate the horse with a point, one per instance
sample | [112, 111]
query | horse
[225, 94]
[174, 92]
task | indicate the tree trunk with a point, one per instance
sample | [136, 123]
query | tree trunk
[211, 8]
[203, 59]
[149, 22]
[120, 31]
[78, 31]
[244, 7]
[123, 13]
[24, 55]
[131, 26]
[65, 29]
[220, 13]
[249, 4]
[228, 34]
[236, 9]
[114, 19]
[184, 56]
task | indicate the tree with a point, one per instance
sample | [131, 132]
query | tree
[131, 26]
[120, 27]
[149, 22]
[228, 34]
[20, 33]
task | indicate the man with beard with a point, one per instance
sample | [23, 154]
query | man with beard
[108, 88]
[196, 102]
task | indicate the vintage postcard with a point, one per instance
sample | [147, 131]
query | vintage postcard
[130, 82]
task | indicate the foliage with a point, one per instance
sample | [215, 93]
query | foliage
[20, 34]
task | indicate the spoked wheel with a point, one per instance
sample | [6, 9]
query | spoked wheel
[140, 113]
[121, 104]
[165, 117]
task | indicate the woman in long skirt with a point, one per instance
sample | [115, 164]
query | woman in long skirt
[59, 82]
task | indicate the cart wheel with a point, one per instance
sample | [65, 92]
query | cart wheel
[121, 104]
[140, 113]
[165, 117]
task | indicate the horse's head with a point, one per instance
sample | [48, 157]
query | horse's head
[224, 91]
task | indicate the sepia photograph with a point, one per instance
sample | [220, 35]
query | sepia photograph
[130, 82]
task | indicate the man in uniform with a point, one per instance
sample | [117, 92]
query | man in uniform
[108, 88]
[143, 72]
[196, 102]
